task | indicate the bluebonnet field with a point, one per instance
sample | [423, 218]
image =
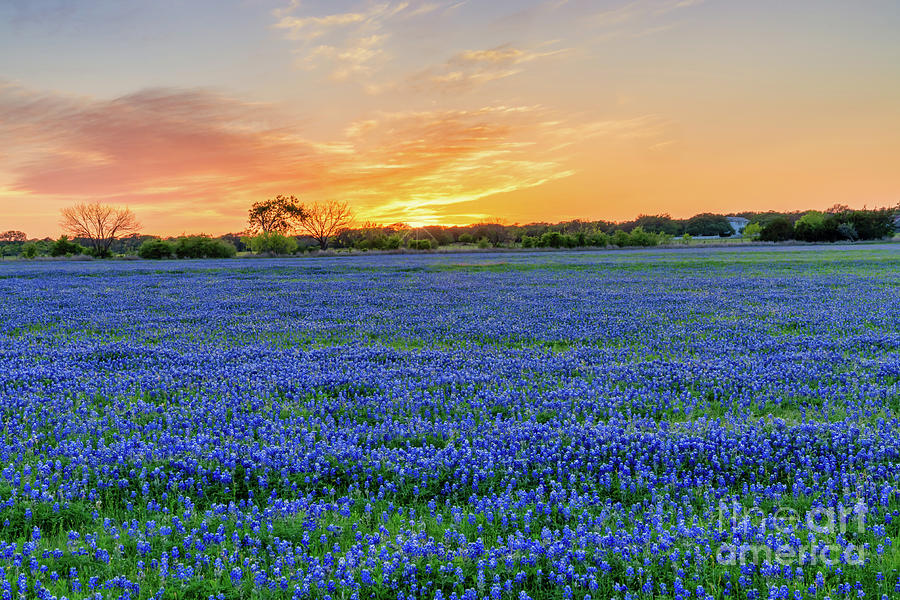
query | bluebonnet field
[626, 425]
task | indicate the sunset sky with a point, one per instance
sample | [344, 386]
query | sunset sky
[433, 111]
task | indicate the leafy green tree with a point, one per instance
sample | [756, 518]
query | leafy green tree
[551, 239]
[598, 239]
[708, 224]
[29, 250]
[421, 244]
[777, 230]
[201, 246]
[156, 249]
[847, 231]
[64, 247]
[656, 224]
[274, 243]
[752, 231]
[280, 214]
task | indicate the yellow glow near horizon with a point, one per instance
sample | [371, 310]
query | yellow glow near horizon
[453, 113]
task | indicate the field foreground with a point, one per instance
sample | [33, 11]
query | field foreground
[630, 425]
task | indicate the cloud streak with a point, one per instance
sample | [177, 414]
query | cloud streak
[166, 150]
[472, 68]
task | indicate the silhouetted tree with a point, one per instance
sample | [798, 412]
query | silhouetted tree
[708, 224]
[99, 224]
[777, 230]
[324, 220]
[280, 214]
[12, 236]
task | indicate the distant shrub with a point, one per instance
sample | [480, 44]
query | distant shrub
[201, 246]
[620, 238]
[421, 244]
[639, 237]
[466, 238]
[708, 224]
[551, 239]
[156, 250]
[599, 239]
[778, 229]
[64, 247]
[484, 243]
[752, 231]
[29, 250]
[380, 242]
[529, 241]
[274, 243]
[848, 232]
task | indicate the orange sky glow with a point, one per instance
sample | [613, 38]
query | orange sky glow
[445, 112]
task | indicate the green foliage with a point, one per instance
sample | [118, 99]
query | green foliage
[64, 247]
[274, 243]
[656, 224]
[466, 238]
[777, 230]
[639, 237]
[421, 244]
[484, 243]
[752, 231]
[156, 249]
[29, 250]
[708, 224]
[201, 246]
[551, 239]
[280, 215]
[380, 240]
[598, 239]
[813, 219]
[847, 231]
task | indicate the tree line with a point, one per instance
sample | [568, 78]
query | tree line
[283, 226]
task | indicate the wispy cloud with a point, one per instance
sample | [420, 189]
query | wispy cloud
[472, 68]
[347, 43]
[165, 150]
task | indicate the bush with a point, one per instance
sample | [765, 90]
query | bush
[64, 247]
[778, 230]
[847, 231]
[620, 238]
[708, 224]
[156, 250]
[529, 241]
[29, 250]
[274, 243]
[421, 244]
[751, 231]
[466, 238]
[639, 237]
[201, 246]
[551, 239]
[484, 243]
[598, 239]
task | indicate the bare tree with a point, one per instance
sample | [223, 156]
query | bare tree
[99, 224]
[276, 215]
[325, 220]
